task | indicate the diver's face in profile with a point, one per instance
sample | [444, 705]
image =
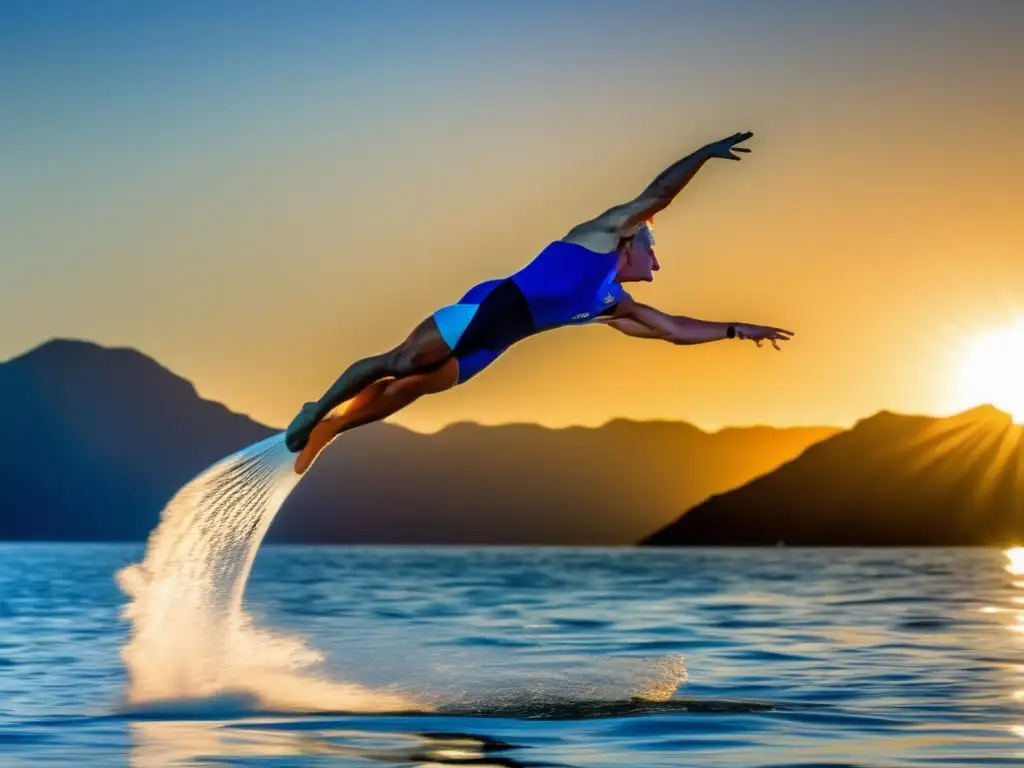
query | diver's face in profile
[640, 262]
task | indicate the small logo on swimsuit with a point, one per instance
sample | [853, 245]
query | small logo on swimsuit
[608, 299]
[581, 316]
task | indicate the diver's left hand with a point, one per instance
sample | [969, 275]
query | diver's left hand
[725, 148]
[759, 333]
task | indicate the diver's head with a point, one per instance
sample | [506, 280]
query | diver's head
[637, 260]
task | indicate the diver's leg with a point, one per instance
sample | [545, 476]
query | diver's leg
[424, 349]
[383, 398]
[377, 401]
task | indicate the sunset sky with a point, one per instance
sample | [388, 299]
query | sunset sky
[256, 194]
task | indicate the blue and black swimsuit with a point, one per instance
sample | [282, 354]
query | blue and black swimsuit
[566, 284]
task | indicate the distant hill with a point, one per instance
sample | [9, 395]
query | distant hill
[891, 480]
[95, 440]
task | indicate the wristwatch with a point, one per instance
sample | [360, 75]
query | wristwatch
[731, 332]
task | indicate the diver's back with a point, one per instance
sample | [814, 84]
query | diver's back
[568, 283]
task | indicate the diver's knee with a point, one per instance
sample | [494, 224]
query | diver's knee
[402, 362]
[411, 358]
[396, 362]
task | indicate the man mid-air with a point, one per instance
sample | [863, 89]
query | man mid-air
[575, 280]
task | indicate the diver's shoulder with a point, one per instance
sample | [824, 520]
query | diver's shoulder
[592, 237]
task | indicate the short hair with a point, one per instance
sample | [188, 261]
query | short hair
[648, 229]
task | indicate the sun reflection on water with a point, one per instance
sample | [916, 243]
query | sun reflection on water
[1016, 565]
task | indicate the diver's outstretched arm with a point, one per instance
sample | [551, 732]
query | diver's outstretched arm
[624, 220]
[642, 321]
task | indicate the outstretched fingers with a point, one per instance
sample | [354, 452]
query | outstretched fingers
[726, 148]
[779, 334]
[738, 138]
[772, 335]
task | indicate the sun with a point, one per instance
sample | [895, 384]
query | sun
[992, 372]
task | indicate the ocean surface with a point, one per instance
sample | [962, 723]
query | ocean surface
[535, 657]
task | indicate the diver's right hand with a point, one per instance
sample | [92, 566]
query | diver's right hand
[298, 431]
[759, 333]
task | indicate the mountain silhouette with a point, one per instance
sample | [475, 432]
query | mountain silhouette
[95, 441]
[891, 480]
[524, 484]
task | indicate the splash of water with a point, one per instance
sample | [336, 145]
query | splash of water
[194, 649]
[191, 640]
[477, 686]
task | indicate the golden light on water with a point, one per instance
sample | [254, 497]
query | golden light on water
[1014, 566]
[992, 371]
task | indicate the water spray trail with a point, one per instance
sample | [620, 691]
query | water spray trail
[191, 640]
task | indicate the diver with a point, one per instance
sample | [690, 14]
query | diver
[577, 279]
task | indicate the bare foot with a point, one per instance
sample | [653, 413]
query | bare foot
[321, 435]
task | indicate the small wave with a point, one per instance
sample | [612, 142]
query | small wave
[21, 738]
[589, 710]
[925, 625]
[581, 624]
